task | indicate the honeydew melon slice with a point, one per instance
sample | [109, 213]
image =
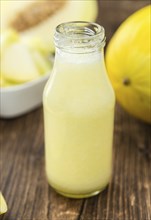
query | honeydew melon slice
[39, 18]
[43, 64]
[3, 205]
[17, 64]
[8, 37]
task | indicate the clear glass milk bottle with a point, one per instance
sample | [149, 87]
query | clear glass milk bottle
[79, 113]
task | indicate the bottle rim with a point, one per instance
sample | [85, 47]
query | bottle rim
[75, 35]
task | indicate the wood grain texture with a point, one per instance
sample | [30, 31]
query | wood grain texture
[112, 13]
[22, 177]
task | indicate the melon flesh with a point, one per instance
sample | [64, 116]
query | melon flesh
[69, 10]
[17, 64]
[3, 205]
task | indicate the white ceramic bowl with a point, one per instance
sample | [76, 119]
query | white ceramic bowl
[20, 99]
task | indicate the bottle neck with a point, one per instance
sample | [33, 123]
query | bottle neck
[79, 36]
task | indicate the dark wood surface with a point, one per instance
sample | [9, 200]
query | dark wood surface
[22, 176]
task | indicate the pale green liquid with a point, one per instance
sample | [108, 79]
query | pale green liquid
[79, 113]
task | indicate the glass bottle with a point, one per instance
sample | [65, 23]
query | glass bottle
[78, 105]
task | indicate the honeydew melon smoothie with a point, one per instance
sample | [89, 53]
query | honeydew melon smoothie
[79, 113]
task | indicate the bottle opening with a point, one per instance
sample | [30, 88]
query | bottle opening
[79, 37]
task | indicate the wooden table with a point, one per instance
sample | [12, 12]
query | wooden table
[22, 177]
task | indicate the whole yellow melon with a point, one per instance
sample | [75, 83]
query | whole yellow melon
[128, 63]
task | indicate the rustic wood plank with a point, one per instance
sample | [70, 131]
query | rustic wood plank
[22, 176]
